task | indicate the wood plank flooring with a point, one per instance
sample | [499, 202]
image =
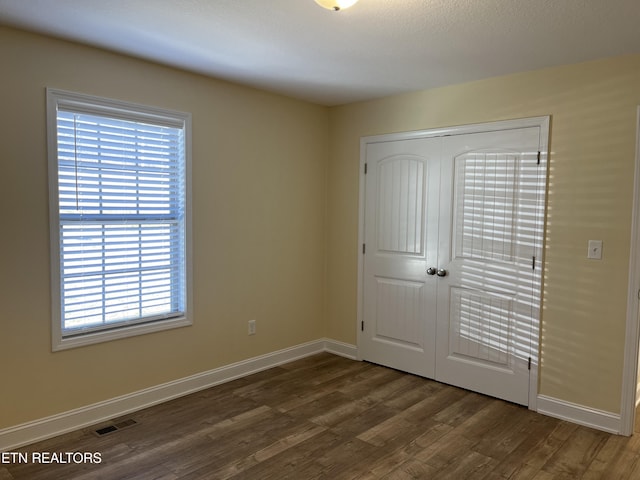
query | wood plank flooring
[327, 417]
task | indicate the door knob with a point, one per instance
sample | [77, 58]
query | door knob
[431, 271]
[442, 272]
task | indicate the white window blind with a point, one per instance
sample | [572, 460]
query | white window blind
[121, 216]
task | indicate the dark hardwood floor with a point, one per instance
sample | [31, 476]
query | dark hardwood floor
[332, 418]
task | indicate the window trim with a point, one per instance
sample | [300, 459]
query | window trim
[117, 109]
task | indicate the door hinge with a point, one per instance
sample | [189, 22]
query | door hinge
[365, 168]
[529, 366]
[364, 248]
[533, 263]
[538, 158]
[362, 326]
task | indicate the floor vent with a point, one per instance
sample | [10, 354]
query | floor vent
[114, 427]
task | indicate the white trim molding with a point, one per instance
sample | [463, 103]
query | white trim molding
[630, 388]
[586, 416]
[342, 349]
[30, 432]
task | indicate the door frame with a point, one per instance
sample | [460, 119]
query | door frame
[543, 123]
[630, 394]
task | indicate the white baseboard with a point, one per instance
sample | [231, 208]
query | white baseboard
[343, 349]
[586, 416]
[31, 432]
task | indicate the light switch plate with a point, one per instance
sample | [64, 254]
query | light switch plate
[595, 249]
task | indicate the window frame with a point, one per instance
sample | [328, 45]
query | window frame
[111, 108]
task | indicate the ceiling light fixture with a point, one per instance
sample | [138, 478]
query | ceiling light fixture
[335, 4]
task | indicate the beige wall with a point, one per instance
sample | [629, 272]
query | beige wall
[259, 169]
[275, 190]
[593, 109]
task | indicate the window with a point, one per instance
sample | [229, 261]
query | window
[119, 195]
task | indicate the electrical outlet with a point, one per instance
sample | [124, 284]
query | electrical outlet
[252, 327]
[595, 249]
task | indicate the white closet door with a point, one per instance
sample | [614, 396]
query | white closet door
[488, 240]
[401, 231]
[451, 276]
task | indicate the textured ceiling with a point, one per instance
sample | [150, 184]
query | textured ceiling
[375, 48]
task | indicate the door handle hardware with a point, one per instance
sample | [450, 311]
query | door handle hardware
[442, 272]
[431, 271]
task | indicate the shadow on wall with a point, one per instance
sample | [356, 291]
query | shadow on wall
[584, 309]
